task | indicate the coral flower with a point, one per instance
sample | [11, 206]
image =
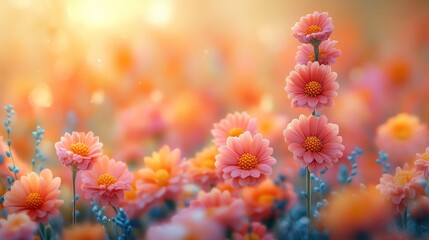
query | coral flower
[222, 207]
[402, 187]
[36, 196]
[162, 177]
[314, 142]
[107, 181]
[312, 86]
[245, 160]
[352, 212]
[401, 137]
[85, 231]
[327, 53]
[233, 126]
[79, 149]
[422, 162]
[254, 230]
[17, 227]
[316, 26]
[202, 170]
[260, 200]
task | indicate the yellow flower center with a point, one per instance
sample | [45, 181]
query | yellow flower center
[401, 130]
[266, 199]
[313, 29]
[425, 156]
[403, 177]
[162, 177]
[311, 56]
[235, 132]
[106, 179]
[247, 161]
[313, 89]
[80, 149]
[251, 236]
[33, 200]
[312, 144]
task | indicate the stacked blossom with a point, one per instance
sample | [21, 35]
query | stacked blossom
[313, 141]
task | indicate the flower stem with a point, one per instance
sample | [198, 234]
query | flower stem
[405, 220]
[308, 206]
[316, 44]
[74, 173]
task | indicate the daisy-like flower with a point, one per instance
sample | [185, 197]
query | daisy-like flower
[312, 86]
[18, 226]
[233, 126]
[254, 230]
[422, 162]
[260, 200]
[314, 142]
[315, 26]
[36, 196]
[107, 181]
[327, 53]
[202, 170]
[222, 207]
[402, 187]
[401, 137]
[245, 160]
[79, 149]
[161, 178]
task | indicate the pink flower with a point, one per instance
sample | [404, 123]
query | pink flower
[189, 223]
[402, 187]
[327, 53]
[401, 136]
[36, 196]
[79, 149]
[254, 230]
[422, 162]
[245, 160]
[233, 126]
[222, 207]
[107, 181]
[312, 86]
[314, 142]
[316, 26]
[18, 226]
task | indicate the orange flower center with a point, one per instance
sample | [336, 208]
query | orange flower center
[235, 132]
[251, 236]
[402, 130]
[266, 199]
[313, 88]
[403, 177]
[162, 177]
[106, 179]
[33, 200]
[79, 149]
[247, 161]
[425, 156]
[313, 29]
[311, 56]
[312, 144]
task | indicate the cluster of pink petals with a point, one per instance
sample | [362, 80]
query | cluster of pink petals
[327, 53]
[257, 231]
[401, 192]
[18, 226]
[47, 190]
[300, 129]
[189, 223]
[422, 162]
[106, 194]
[303, 75]
[227, 160]
[243, 121]
[321, 20]
[223, 207]
[68, 157]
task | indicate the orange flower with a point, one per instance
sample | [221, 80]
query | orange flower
[17, 227]
[85, 231]
[35, 196]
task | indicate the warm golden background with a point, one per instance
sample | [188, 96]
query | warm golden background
[144, 73]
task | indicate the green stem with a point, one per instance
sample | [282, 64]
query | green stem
[405, 218]
[74, 173]
[316, 44]
[308, 181]
[114, 208]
